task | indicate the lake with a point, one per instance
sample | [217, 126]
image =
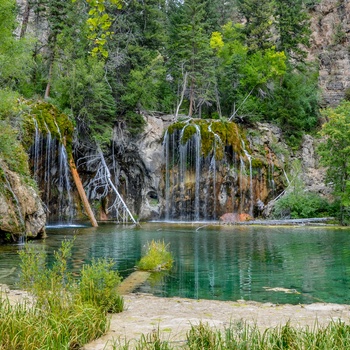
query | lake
[265, 264]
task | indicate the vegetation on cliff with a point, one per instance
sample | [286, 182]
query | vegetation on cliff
[241, 61]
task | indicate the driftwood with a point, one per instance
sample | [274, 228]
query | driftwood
[81, 192]
[286, 221]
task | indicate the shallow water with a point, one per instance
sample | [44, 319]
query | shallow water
[274, 264]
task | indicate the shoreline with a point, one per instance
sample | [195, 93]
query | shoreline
[173, 317]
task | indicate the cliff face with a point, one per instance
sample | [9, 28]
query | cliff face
[330, 39]
[21, 210]
[162, 176]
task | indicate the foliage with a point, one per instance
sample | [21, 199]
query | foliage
[12, 151]
[297, 202]
[334, 151]
[295, 205]
[99, 23]
[66, 313]
[258, 18]
[15, 55]
[245, 77]
[294, 106]
[191, 56]
[157, 257]
[98, 285]
[103, 62]
[293, 27]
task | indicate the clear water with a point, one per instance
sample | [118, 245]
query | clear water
[223, 263]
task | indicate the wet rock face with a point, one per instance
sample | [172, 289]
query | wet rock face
[330, 26]
[21, 210]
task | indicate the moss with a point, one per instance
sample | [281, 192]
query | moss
[49, 119]
[257, 163]
[228, 132]
[176, 126]
[12, 151]
[188, 132]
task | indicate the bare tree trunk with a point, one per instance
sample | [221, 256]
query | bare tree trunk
[82, 193]
[182, 95]
[190, 110]
[48, 85]
[25, 20]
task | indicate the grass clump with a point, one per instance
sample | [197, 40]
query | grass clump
[65, 313]
[157, 257]
[243, 336]
[98, 285]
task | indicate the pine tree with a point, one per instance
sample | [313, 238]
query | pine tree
[258, 15]
[293, 27]
[190, 54]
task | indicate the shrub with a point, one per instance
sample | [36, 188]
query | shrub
[157, 257]
[296, 205]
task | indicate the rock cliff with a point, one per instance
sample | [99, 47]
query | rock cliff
[330, 26]
[21, 209]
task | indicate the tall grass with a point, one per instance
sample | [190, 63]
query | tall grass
[65, 314]
[156, 258]
[241, 336]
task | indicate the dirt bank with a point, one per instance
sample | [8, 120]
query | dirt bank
[173, 317]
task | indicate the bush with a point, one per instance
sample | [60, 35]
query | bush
[157, 257]
[301, 205]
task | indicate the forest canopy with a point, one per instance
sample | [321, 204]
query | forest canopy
[103, 62]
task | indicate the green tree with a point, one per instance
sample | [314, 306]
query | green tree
[258, 16]
[245, 78]
[335, 154]
[191, 58]
[295, 104]
[15, 54]
[293, 27]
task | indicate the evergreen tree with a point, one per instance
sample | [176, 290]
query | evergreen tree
[335, 154]
[191, 58]
[15, 54]
[258, 15]
[293, 27]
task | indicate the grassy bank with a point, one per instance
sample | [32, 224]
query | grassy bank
[242, 336]
[65, 313]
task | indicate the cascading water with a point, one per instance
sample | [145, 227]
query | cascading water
[203, 180]
[51, 172]
[250, 179]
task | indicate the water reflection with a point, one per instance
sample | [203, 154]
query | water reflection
[226, 263]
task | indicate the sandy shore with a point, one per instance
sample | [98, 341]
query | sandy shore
[145, 314]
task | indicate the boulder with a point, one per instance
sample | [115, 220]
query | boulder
[21, 209]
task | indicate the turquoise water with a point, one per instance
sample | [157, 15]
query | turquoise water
[298, 265]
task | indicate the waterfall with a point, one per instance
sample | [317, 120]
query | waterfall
[204, 175]
[250, 179]
[167, 175]
[271, 170]
[36, 151]
[65, 203]
[198, 171]
[51, 171]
